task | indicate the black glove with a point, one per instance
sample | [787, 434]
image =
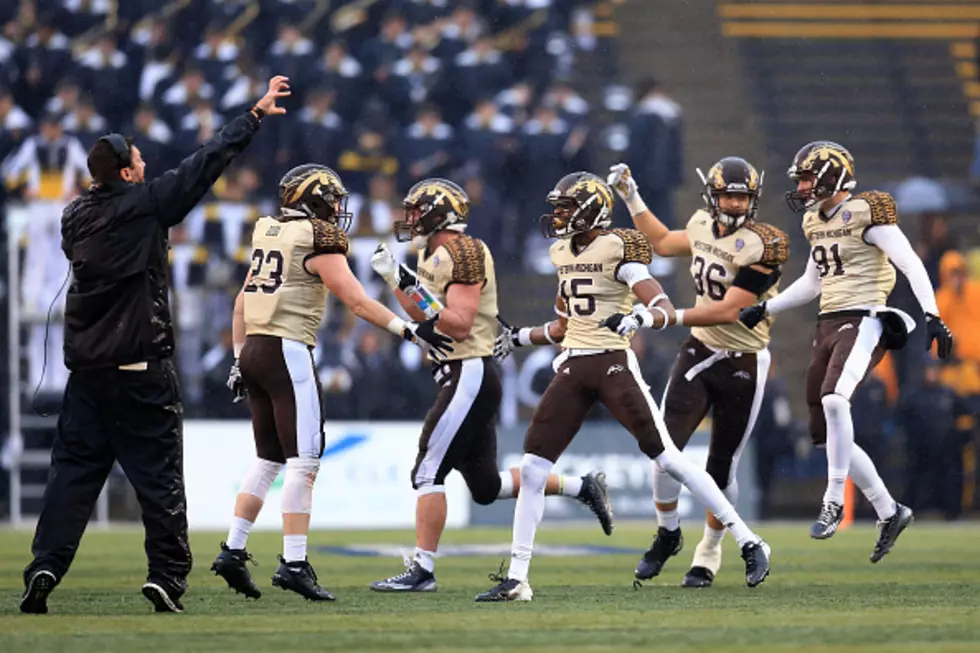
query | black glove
[235, 383]
[936, 330]
[752, 315]
[424, 335]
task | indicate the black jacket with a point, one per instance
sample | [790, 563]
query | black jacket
[117, 309]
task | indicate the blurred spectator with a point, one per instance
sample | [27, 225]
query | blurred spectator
[488, 137]
[153, 138]
[292, 55]
[215, 54]
[421, 71]
[200, 125]
[426, 149]
[106, 77]
[389, 45]
[340, 72]
[488, 222]
[368, 157]
[178, 98]
[515, 102]
[65, 98]
[45, 58]
[478, 71]
[655, 152]
[85, 123]
[15, 125]
[958, 299]
[935, 241]
[319, 134]
[189, 276]
[570, 105]
[82, 15]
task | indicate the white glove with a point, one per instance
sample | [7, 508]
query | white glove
[383, 262]
[621, 179]
[235, 383]
[505, 343]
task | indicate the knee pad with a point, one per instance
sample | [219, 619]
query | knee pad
[259, 478]
[835, 406]
[673, 463]
[534, 473]
[297, 490]
[665, 488]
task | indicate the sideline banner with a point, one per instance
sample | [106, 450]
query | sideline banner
[364, 479]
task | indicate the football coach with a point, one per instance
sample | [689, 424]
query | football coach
[122, 401]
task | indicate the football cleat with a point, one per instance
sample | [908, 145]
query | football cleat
[889, 530]
[665, 545]
[756, 557]
[508, 589]
[40, 585]
[162, 600]
[828, 520]
[299, 577]
[595, 495]
[698, 577]
[230, 565]
[413, 579]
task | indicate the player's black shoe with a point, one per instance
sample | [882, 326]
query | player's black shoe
[698, 577]
[299, 577]
[828, 520]
[506, 589]
[230, 565]
[890, 529]
[413, 579]
[595, 495]
[39, 586]
[162, 599]
[756, 557]
[665, 545]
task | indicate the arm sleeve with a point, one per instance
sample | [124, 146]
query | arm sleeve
[632, 273]
[328, 238]
[801, 291]
[890, 239]
[469, 264]
[175, 193]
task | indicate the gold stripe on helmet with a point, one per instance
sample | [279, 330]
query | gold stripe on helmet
[827, 153]
[717, 177]
[593, 185]
[439, 188]
[323, 177]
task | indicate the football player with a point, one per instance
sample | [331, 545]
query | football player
[298, 257]
[459, 431]
[600, 270]
[852, 239]
[722, 366]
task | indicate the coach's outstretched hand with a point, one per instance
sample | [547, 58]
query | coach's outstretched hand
[424, 335]
[278, 88]
[938, 332]
[752, 315]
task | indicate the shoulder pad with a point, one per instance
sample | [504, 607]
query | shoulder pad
[469, 265]
[636, 247]
[882, 205]
[775, 243]
[328, 238]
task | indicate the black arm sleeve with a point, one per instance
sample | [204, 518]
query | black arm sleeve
[754, 281]
[176, 192]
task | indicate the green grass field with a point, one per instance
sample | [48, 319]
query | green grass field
[822, 596]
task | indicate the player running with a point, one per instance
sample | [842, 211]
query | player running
[722, 366]
[600, 270]
[852, 239]
[299, 256]
[457, 272]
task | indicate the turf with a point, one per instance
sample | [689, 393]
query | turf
[822, 596]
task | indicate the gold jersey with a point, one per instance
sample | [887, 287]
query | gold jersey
[464, 260]
[852, 272]
[588, 283]
[283, 299]
[715, 260]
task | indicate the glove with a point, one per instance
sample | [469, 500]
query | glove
[424, 335]
[938, 332]
[235, 383]
[621, 179]
[383, 262]
[622, 324]
[506, 342]
[752, 315]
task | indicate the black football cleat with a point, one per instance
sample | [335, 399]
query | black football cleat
[828, 520]
[230, 565]
[162, 600]
[508, 589]
[756, 557]
[413, 579]
[890, 529]
[39, 586]
[665, 545]
[698, 577]
[299, 577]
[595, 495]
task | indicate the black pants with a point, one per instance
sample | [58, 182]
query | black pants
[134, 417]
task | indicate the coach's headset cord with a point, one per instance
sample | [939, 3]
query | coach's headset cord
[47, 330]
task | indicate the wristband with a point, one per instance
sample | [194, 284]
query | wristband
[679, 317]
[636, 205]
[524, 337]
[547, 334]
[658, 298]
[662, 312]
[396, 326]
[645, 318]
[237, 348]
[259, 113]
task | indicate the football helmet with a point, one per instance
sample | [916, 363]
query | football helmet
[731, 175]
[579, 202]
[432, 205]
[832, 167]
[314, 191]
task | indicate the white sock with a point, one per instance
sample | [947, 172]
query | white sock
[840, 443]
[668, 519]
[867, 480]
[528, 513]
[705, 490]
[238, 533]
[707, 554]
[294, 548]
[426, 559]
[712, 537]
[569, 486]
[506, 485]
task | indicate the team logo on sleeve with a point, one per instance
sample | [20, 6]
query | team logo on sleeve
[739, 244]
[845, 216]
